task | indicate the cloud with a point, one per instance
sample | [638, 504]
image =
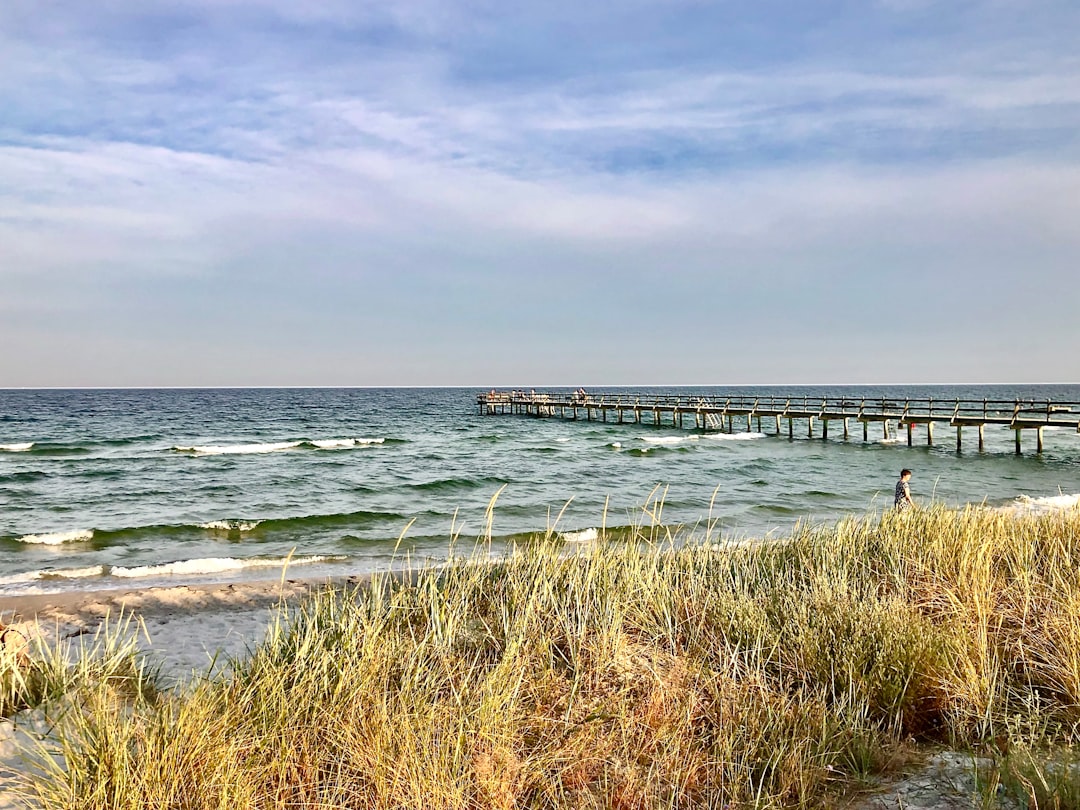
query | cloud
[326, 175]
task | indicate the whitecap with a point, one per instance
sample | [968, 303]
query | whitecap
[230, 525]
[615, 445]
[583, 536]
[62, 573]
[237, 449]
[334, 444]
[733, 437]
[215, 565]
[342, 444]
[58, 538]
[664, 439]
[1025, 505]
[74, 573]
[16, 448]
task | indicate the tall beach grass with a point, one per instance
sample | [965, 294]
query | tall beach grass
[635, 673]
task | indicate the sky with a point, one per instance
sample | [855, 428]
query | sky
[479, 193]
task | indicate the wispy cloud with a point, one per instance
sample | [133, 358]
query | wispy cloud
[355, 170]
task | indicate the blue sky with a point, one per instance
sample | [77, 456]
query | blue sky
[218, 192]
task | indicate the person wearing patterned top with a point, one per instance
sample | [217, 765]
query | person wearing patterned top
[902, 501]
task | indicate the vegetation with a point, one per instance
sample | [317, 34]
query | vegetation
[628, 675]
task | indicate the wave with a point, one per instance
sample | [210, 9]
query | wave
[671, 441]
[106, 537]
[49, 573]
[274, 447]
[452, 484]
[23, 477]
[583, 536]
[656, 450]
[58, 538]
[733, 437]
[230, 525]
[1025, 505]
[216, 565]
[46, 448]
[615, 445]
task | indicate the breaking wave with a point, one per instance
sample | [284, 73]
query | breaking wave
[58, 538]
[1025, 505]
[23, 447]
[256, 448]
[583, 536]
[230, 525]
[216, 565]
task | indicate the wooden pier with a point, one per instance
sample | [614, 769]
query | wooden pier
[740, 411]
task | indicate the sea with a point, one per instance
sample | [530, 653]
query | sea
[124, 488]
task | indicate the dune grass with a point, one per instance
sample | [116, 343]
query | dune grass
[625, 675]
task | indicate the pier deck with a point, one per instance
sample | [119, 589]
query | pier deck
[720, 412]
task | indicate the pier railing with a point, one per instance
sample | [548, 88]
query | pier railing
[1031, 412]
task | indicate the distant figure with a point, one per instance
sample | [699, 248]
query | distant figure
[902, 502]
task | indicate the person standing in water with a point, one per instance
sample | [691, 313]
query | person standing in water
[902, 501]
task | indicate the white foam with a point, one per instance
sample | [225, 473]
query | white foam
[665, 439]
[334, 444]
[75, 573]
[16, 448]
[16, 579]
[615, 445]
[584, 536]
[58, 538]
[1040, 506]
[733, 437]
[214, 565]
[64, 573]
[238, 449]
[563, 439]
[341, 444]
[230, 525]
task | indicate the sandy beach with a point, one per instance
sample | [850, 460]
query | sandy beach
[184, 629]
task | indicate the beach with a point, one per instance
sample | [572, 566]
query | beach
[185, 630]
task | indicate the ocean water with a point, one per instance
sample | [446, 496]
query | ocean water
[119, 488]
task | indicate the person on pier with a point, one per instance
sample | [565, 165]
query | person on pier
[902, 500]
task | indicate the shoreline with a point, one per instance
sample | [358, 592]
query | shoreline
[185, 629]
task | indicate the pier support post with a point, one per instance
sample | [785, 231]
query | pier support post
[959, 438]
[759, 423]
[909, 427]
[885, 426]
[1038, 440]
[588, 414]
[929, 434]
[865, 431]
[791, 429]
[637, 415]
[778, 424]
[1018, 441]
[982, 442]
[810, 426]
[749, 425]
[825, 429]
[845, 428]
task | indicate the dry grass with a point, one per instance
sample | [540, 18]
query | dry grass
[629, 675]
